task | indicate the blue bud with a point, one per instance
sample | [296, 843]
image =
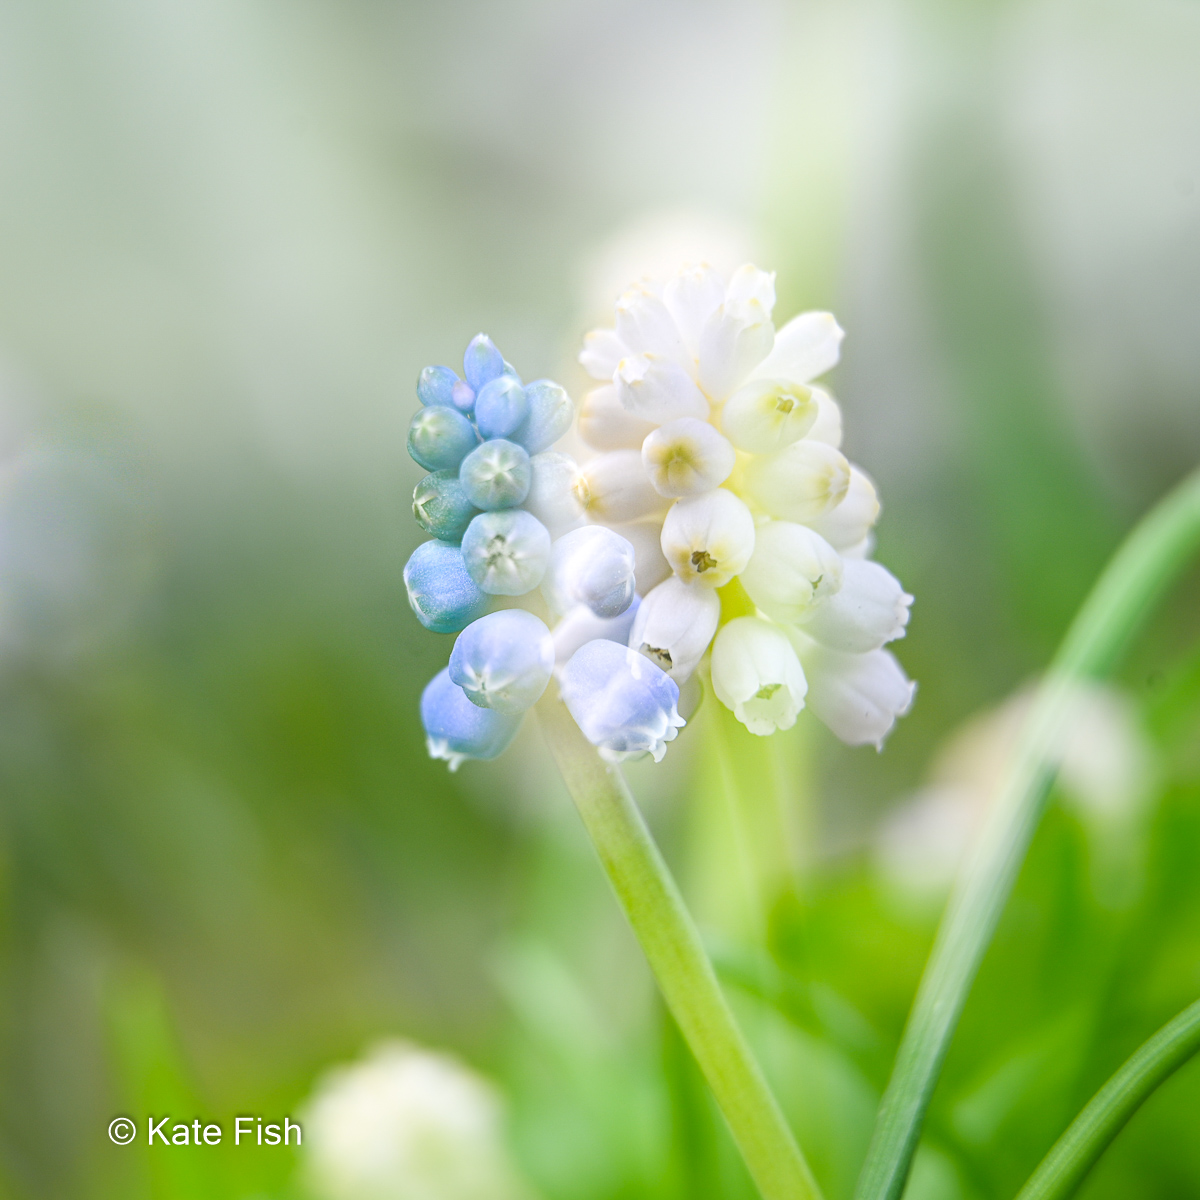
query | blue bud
[504, 660]
[623, 703]
[496, 475]
[550, 415]
[506, 552]
[456, 729]
[482, 361]
[435, 385]
[592, 565]
[500, 407]
[439, 438]
[441, 506]
[440, 590]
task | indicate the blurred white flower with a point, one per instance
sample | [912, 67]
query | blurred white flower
[1105, 773]
[407, 1124]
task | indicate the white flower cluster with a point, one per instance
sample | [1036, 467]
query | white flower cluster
[709, 435]
[407, 1124]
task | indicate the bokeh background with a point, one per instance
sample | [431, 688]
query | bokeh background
[232, 232]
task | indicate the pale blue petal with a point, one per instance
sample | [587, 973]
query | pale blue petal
[456, 729]
[503, 661]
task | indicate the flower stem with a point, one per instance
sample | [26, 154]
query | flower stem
[1139, 573]
[672, 946]
[1075, 1153]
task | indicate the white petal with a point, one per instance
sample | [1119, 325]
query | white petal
[846, 526]
[614, 487]
[675, 623]
[601, 352]
[734, 341]
[859, 696]
[691, 298]
[791, 569]
[606, 424]
[756, 674]
[801, 482]
[708, 539]
[687, 457]
[807, 346]
[869, 609]
[767, 415]
[657, 389]
[646, 327]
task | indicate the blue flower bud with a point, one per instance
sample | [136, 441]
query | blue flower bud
[456, 729]
[496, 475]
[440, 590]
[624, 704]
[435, 385]
[506, 552]
[482, 361]
[441, 506]
[439, 438]
[550, 415]
[503, 661]
[593, 565]
[501, 407]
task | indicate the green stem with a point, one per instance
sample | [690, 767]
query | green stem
[672, 946]
[1145, 565]
[1075, 1153]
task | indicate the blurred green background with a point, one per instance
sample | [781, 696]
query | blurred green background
[231, 233]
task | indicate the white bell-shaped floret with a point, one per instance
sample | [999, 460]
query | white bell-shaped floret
[591, 565]
[869, 609]
[601, 352]
[582, 625]
[687, 457]
[756, 674]
[646, 327]
[827, 427]
[848, 524]
[859, 696]
[675, 623]
[766, 415]
[658, 389]
[503, 661]
[708, 539]
[807, 346]
[625, 705]
[799, 483]
[614, 488]
[604, 423]
[554, 491]
[791, 569]
[739, 335]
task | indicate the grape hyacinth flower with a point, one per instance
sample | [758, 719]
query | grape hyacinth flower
[712, 490]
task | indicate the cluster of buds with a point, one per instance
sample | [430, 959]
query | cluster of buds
[708, 525]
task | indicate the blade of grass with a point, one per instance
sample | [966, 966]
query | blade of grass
[1146, 563]
[1060, 1173]
[672, 946]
